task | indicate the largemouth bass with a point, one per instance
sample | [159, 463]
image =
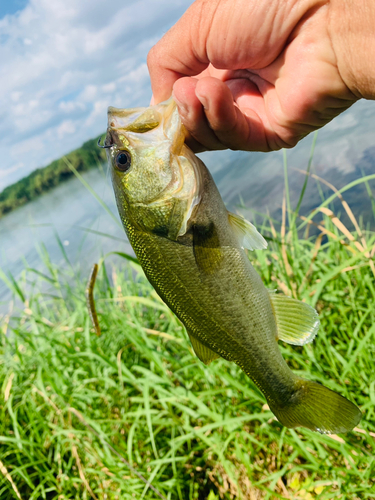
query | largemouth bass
[192, 251]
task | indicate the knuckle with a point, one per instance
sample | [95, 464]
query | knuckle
[289, 140]
[151, 57]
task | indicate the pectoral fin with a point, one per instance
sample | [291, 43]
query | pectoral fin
[247, 234]
[297, 323]
[204, 353]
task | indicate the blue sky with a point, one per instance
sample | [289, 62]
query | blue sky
[11, 6]
[63, 62]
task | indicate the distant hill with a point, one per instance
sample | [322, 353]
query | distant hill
[43, 179]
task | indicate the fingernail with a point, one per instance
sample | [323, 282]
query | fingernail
[203, 100]
[182, 109]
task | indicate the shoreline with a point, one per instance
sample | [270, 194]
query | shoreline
[44, 179]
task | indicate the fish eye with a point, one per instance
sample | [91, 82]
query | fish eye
[123, 161]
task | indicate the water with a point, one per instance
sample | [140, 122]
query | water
[69, 213]
[344, 149]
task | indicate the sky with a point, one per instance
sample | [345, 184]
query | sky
[63, 62]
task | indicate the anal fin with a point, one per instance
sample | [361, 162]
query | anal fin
[297, 323]
[204, 353]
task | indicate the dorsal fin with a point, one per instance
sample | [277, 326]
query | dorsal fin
[247, 234]
[204, 353]
[297, 323]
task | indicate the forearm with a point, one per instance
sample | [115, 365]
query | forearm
[352, 31]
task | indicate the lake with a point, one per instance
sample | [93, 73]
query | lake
[344, 150]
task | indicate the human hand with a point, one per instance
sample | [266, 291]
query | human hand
[261, 74]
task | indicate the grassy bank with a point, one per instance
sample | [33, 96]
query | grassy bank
[83, 416]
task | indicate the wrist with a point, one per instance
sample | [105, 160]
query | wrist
[352, 31]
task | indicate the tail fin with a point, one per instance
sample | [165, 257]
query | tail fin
[314, 406]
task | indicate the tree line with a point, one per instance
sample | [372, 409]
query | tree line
[46, 178]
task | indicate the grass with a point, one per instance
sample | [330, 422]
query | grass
[83, 416]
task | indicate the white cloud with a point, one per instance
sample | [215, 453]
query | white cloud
[14, 168]
[89, 93]
[63, 63]
[15, 96]
[65, 128]
[71, 106]
[109, 87]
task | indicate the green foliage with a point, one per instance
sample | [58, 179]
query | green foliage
[75, 408]
[83, 416]
[44, 179]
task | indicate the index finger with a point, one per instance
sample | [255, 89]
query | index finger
[181, 52]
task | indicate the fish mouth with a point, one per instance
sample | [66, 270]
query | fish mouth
[112, 139]
[138, 120]
[162, 119]
[158, 131]
[132, 127]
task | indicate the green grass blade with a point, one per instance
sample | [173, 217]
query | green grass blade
[91, 190]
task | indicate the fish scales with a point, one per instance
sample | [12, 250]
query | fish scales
[191, 249]
[172, 279]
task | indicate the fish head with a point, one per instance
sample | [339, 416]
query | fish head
[155, 176]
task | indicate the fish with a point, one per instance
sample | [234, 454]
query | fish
[192, 250]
